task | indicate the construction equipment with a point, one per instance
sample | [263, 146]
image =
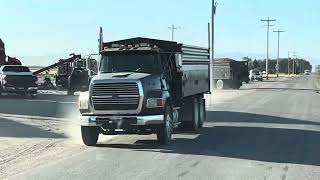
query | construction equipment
[74, 73]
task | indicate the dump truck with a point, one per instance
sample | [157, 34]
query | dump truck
[229, 73]
[145, 86]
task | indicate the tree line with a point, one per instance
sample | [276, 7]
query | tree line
[299, 64]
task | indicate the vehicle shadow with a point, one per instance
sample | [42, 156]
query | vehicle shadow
[10, 128]
[40, 96]
[282, 89]
[296, 146]
[243, 117]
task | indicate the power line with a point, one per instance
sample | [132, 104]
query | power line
[173, 28]
[277, 67]
[268, 28]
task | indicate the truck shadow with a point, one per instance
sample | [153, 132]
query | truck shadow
[283, 89]
[49, 97]
[11, 128]
[297, 146]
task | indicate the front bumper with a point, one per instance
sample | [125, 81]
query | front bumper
[18, 90]
[92, 120]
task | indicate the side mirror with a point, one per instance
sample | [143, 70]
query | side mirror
[178, 58]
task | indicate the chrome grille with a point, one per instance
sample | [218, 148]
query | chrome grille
[115, 96]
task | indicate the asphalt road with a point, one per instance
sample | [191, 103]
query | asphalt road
[268, 130]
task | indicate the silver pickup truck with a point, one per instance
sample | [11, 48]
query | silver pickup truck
[18, 80]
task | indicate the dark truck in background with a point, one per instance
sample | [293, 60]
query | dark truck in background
[76, 75]
[229, 73]
[146, 86]
[18, 80]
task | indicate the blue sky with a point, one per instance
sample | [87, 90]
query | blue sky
[39, 32]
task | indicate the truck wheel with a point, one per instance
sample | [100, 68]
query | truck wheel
[70, 92]
[202, 112]
[165, 132]
[195, 115]
[89, 135]
[220, 84]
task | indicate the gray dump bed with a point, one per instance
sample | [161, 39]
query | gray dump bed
[192, 63]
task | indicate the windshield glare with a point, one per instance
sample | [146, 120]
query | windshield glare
[144, 63]
[16, 69]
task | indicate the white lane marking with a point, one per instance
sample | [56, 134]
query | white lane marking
[40, 100]
[61, 102]
[50, 101]
[3, 115]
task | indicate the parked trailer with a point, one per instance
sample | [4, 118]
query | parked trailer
[146, 86]
[229, 73]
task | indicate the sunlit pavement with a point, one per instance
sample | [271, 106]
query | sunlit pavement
[267, 130]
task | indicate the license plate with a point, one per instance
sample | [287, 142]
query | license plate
[84, 86]
[20, 88]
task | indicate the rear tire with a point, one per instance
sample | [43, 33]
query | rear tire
[90, 135]
[202, 112]
[195, 115]
[164, 133]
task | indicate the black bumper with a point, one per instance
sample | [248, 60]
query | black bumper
[20, 90]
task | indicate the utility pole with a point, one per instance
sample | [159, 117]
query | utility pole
[173, 28]
[268, 28]
[294, 53]
[288, 63]
[277, 66]
[213, 13]
[293, 62]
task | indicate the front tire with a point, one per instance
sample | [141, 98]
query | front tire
[33, 95]
[70, 92]
[89, 135]
[164, 134]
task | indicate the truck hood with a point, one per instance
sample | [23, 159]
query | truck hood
[120, 76]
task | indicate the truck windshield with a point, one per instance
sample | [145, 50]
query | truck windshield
[16, 69]
[144, 63]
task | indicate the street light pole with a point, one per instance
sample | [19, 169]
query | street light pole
[277, 66]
